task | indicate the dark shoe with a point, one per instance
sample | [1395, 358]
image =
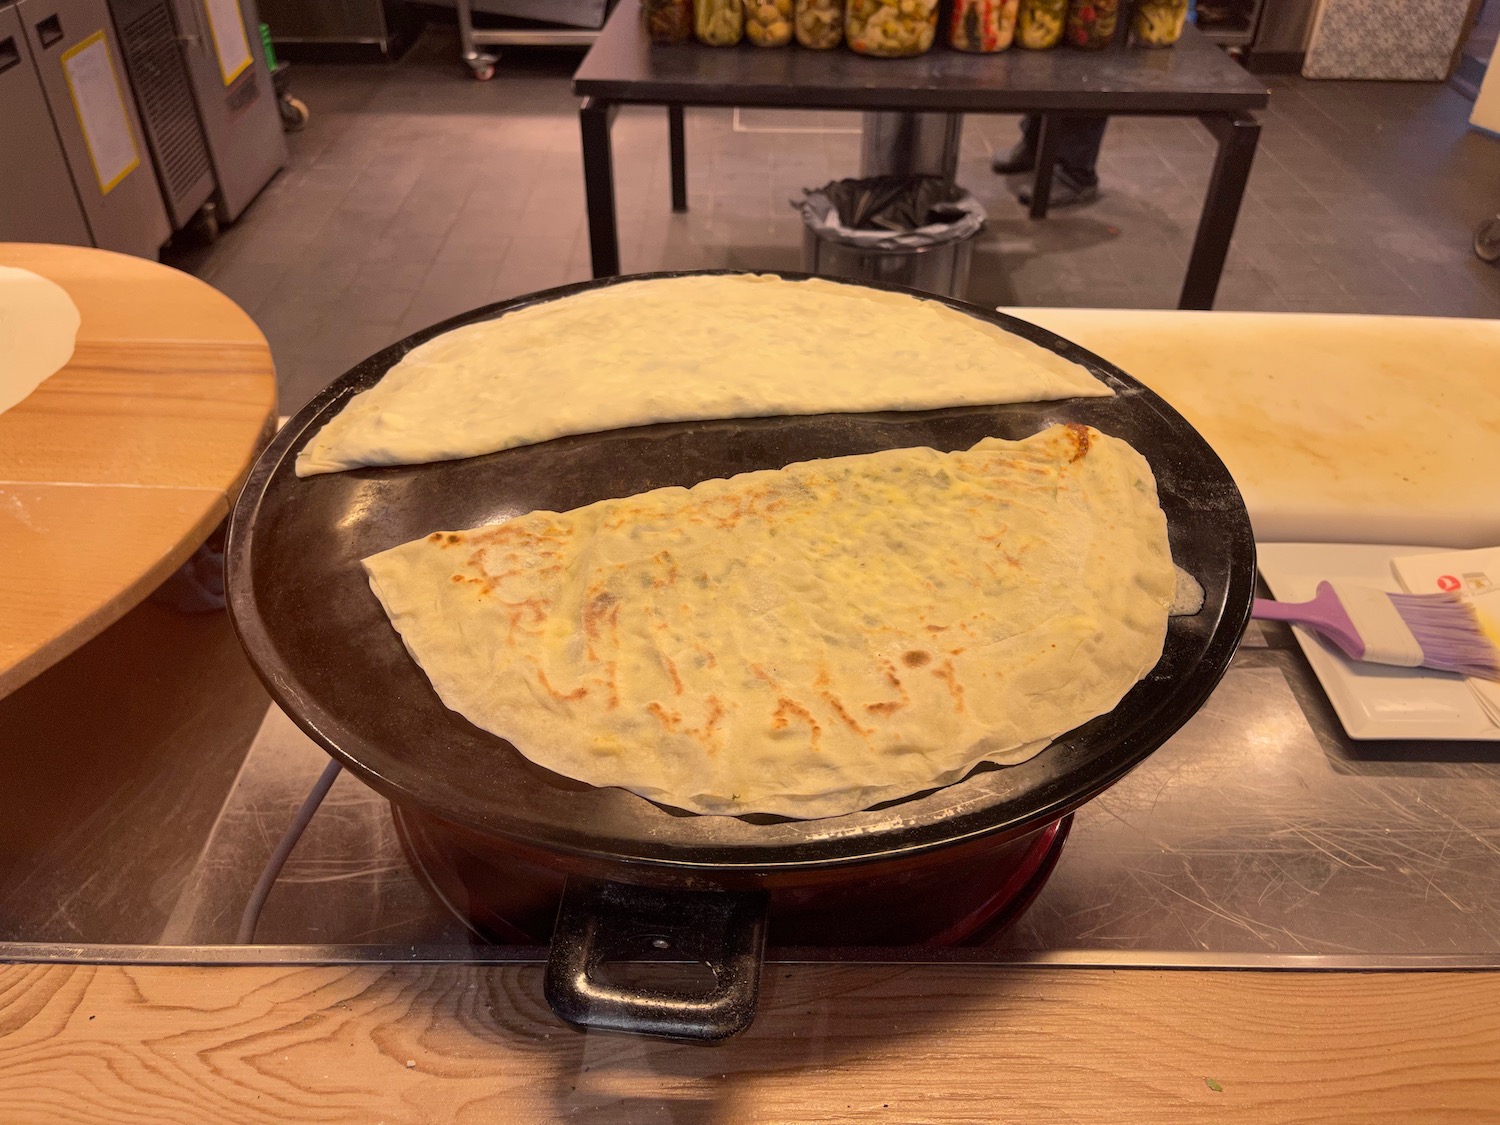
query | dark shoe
[1067, 190]
[1021, 158]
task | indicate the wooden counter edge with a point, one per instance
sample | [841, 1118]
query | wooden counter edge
[117, 296]
[83, 629]
[216, 507]
[831, 1043]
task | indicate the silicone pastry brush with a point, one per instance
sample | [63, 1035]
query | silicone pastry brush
[1439, 631]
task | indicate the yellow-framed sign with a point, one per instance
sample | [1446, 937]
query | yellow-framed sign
[98, 101]
[227, 25]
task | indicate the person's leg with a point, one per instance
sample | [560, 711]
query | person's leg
[1078, 145]
[1076, 142]
[1022, 156]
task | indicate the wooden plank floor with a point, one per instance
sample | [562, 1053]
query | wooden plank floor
[839, 1043]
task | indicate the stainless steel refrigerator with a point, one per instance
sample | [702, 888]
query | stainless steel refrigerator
[154, 57]
[236, 102]
[37, 200]
[341, 30]
[76, 59]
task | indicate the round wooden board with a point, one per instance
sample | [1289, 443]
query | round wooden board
[116, 468]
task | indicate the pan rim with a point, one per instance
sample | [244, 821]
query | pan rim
[1049, 802]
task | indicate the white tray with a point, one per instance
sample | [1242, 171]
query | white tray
[1371, 700]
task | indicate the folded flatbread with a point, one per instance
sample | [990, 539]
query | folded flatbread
[38, 330]
[676, 349]
[807, 641]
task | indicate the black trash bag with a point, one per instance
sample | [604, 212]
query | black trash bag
[891, 212]
[899, 203]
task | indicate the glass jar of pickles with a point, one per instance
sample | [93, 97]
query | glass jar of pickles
[1091, 23]
[890, 28]
[982, 25]
[1158, 23]
[768, 23]
[819, 24]
[668, 21]
[1039, 23]
[718, 23]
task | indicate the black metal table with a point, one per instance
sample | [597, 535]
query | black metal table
[1193, 79]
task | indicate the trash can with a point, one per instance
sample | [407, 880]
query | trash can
[916, 231]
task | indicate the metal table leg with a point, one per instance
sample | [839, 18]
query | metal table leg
[677, 145]
[922, 144]
[1237, 135]
[1046, 157]
[482, 63]
[594, 118]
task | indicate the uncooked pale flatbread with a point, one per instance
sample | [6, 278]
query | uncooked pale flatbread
[38, 329]
[807, 641]
[677, 349]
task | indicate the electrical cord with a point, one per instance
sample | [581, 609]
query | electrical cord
[251, 917]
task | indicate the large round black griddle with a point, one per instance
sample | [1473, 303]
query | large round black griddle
[329, 656]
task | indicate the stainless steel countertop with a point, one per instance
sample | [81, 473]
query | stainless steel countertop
[1259, 836]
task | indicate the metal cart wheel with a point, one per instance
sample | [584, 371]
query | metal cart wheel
[203, 228]
[294, 113]
[1487, 240]
[482, 65]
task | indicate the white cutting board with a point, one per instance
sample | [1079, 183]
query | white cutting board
[1338, 429]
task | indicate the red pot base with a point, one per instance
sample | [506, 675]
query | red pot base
[966, 894]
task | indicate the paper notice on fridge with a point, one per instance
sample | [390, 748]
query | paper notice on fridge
[1473, 576]
[90, 72]
[227, 23]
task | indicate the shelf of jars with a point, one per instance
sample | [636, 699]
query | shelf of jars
[901, 28]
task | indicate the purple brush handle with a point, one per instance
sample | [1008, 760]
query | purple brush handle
[1325, 613]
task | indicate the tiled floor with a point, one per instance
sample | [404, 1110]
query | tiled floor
[416, 193]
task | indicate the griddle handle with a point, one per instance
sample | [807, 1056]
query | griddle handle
[601, 921]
